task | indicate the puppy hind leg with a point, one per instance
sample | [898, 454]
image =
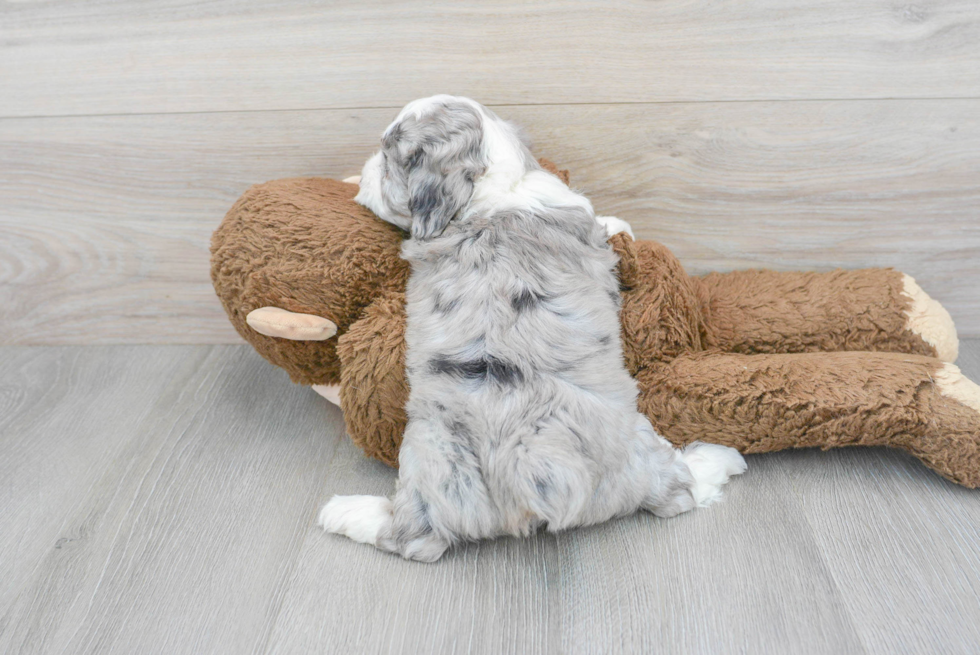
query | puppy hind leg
[438, 481]
[667, 478]
[670, 490]
[683, 480]
[411, 534]
[399, 527]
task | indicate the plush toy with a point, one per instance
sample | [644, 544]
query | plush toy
[758, 360]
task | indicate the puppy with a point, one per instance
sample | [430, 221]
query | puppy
[521, 413]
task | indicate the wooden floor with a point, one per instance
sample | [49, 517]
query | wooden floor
[162, 499]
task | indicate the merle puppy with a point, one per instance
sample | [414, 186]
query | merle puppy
[521, 413]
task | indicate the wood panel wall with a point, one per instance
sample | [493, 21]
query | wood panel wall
[810, 134]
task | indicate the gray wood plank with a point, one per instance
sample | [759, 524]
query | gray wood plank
[163, 499]
[183, 543]
[66, 414]
[902, 543]
[75, 57]
[721, 580]
[106, 220]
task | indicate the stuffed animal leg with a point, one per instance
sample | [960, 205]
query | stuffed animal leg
[762, 403]
[764, 311]
[373, 384]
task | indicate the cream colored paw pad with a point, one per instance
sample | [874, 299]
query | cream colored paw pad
[329, 391]
[953, 384]
[930, 320]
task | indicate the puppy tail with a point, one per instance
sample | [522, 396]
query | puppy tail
[712, 466]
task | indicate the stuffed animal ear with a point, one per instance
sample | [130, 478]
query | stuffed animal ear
[277, 322]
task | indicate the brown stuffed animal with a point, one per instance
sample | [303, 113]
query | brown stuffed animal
[757, 360]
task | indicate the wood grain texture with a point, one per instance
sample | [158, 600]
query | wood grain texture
[106, 221]
[701, 583]
[163, 499]
[66, 415]
[165, 517]
[903, 546]
[75, 57]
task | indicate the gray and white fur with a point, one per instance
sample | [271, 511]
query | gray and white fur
[521, 413]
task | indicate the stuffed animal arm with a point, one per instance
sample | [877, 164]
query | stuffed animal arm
[757, 360]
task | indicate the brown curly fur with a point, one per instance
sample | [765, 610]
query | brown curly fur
[305, 246]
[757, 360]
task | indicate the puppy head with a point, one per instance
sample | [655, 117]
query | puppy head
[431, 158]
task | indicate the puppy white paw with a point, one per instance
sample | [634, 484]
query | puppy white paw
[357, 517]
[614, 225]
[711, 465]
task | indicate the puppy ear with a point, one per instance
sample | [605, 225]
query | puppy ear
[441, 155]
[436, 199]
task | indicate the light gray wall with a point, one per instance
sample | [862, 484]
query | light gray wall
[809, 134]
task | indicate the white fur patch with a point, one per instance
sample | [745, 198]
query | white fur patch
[930, 320]
[953, 384]
[615, 225]
[357, 517]
[711, 465]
